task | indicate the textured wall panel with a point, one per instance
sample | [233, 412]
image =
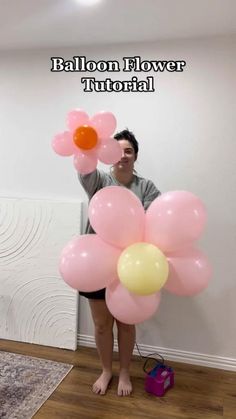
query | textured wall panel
[36, 305]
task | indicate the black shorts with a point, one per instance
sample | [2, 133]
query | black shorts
[95, 295]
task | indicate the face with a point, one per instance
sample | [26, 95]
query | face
[128, 157]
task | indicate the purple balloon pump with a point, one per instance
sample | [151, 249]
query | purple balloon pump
[159, 379]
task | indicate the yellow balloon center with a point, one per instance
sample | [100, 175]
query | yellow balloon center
[143, 268]
[85, 137]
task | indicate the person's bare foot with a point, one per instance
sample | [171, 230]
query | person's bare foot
[100, 386]
[124, 385]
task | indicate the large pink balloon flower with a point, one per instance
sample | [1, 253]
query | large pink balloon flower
[141, 247]
[89, 140]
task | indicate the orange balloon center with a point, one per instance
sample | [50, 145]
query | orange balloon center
[85, 137]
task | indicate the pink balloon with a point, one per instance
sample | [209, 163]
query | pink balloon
[76, 118]
[174, 220]
[104, 123]
[189, 272]
[117, 216]
[63, 144]
[85, 162]
[88, 264]
[129, 308]
[110, 152]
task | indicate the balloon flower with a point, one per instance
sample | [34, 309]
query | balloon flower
[135, 254]
[89, 140]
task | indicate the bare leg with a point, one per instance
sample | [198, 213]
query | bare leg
[103, 322]
[126, 340]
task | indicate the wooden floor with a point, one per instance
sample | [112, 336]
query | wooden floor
[199, 392]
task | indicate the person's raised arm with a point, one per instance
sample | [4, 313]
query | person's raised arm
[91, 182]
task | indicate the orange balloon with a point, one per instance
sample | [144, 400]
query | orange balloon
[85, 137]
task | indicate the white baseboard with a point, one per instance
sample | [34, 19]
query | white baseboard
[193, 358]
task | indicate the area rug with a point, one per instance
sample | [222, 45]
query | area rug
[26, 383]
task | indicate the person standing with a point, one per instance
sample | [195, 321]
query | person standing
[121, 174]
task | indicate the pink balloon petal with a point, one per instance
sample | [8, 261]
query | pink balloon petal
[85, 162]
[110, 152]
[189, 272]
[129, 308]
[104, 123]
[76, 118]
[63, 144]
[104, 140]
[88, 264]
[174, 220]
[117, 216]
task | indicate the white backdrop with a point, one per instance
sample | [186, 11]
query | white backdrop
[36, 305]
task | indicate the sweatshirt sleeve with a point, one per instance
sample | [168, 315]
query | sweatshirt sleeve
[151, 193]
[91, 182]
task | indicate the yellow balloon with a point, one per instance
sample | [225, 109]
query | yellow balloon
[143, 268]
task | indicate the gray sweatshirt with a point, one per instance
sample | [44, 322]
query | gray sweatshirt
[144, 189]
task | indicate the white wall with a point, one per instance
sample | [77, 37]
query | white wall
[186, 133]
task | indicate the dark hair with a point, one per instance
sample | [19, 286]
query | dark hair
[129, 136]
